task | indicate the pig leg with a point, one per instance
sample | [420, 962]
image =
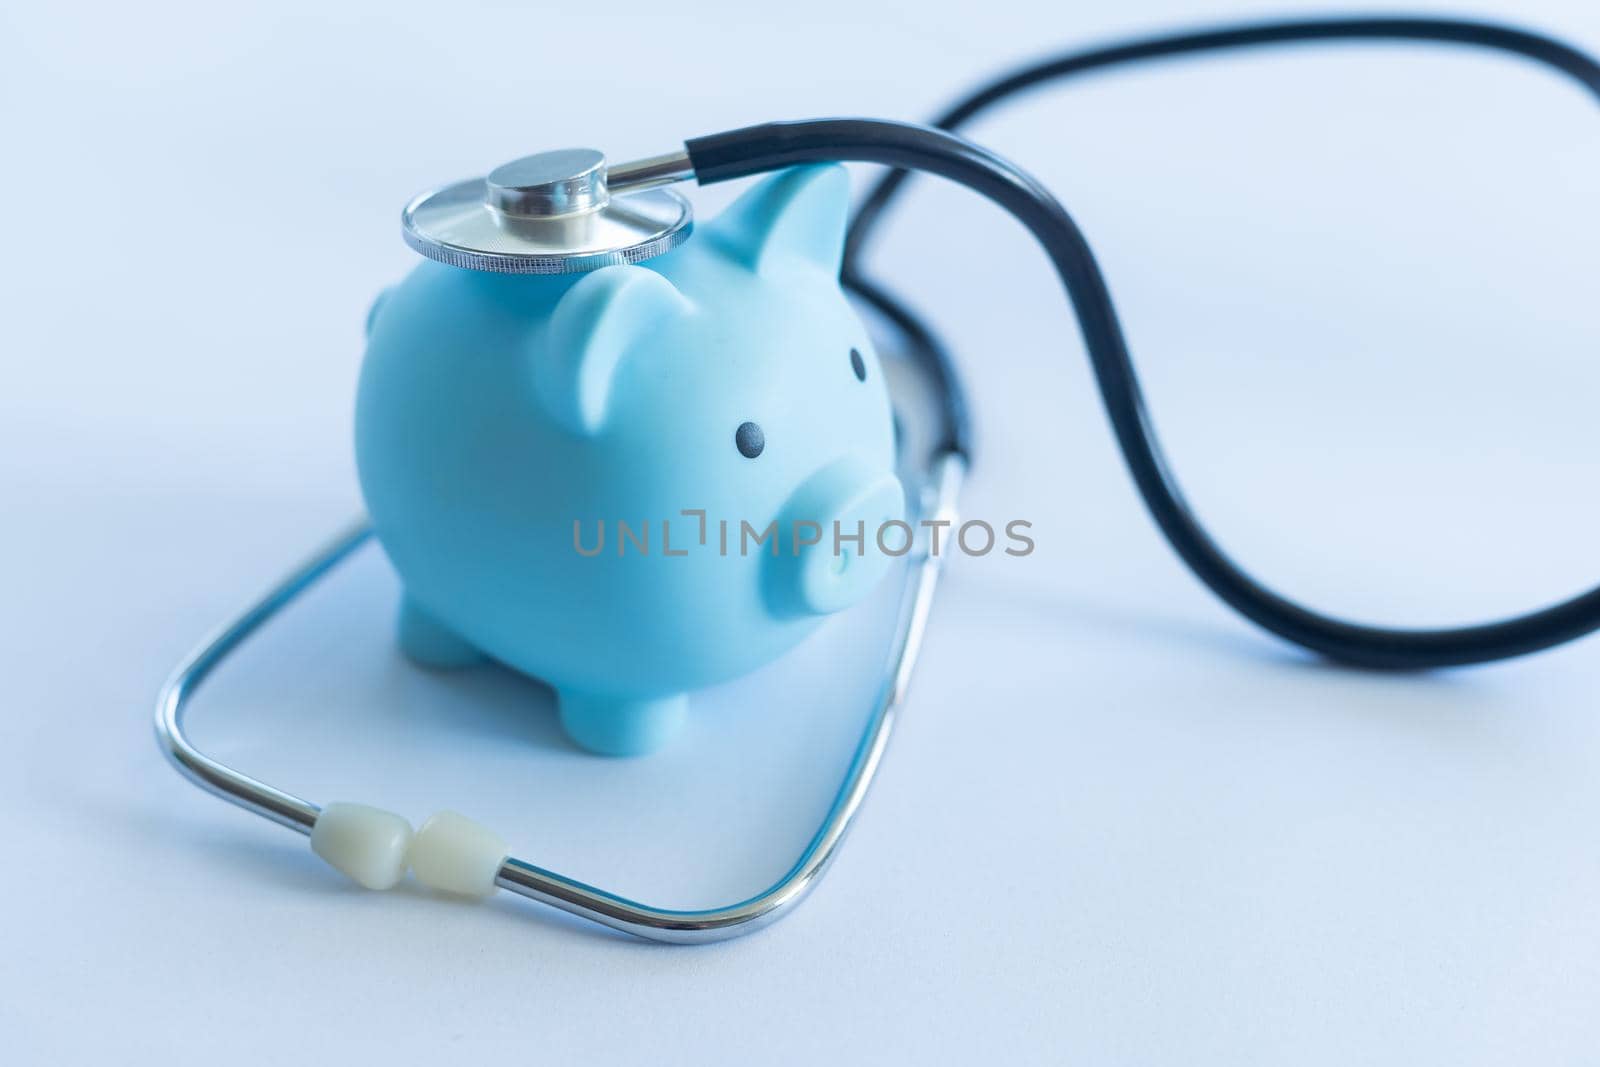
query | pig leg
[621, 726]
[429, 642]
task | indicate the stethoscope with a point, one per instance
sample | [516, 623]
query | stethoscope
[463, 857]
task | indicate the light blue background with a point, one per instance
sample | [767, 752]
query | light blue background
[1118, 825]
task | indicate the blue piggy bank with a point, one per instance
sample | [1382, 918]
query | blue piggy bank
[639, 481]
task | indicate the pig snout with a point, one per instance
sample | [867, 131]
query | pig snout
[823, 565]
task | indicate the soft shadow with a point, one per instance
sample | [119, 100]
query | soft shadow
[1236, 639]
[1078, 612]
[488, 700]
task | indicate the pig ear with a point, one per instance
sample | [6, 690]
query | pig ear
[797, 215]
[592, 328]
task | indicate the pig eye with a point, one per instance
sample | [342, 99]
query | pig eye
[749, 439]
[858, 364]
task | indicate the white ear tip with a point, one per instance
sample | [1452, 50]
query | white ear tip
[453, 854]
[368, 844]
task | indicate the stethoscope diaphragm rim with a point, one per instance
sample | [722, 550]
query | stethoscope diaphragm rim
[456, 225]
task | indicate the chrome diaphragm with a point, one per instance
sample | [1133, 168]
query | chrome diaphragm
[560, 212]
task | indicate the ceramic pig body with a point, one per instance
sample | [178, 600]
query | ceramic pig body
[505, 423]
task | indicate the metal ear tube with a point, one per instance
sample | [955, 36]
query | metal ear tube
[376, 845]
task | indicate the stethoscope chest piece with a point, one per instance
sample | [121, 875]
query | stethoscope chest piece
[557, 212]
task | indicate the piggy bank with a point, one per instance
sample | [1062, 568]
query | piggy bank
[639, 481]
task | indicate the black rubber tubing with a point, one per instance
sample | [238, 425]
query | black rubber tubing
[906, 147]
